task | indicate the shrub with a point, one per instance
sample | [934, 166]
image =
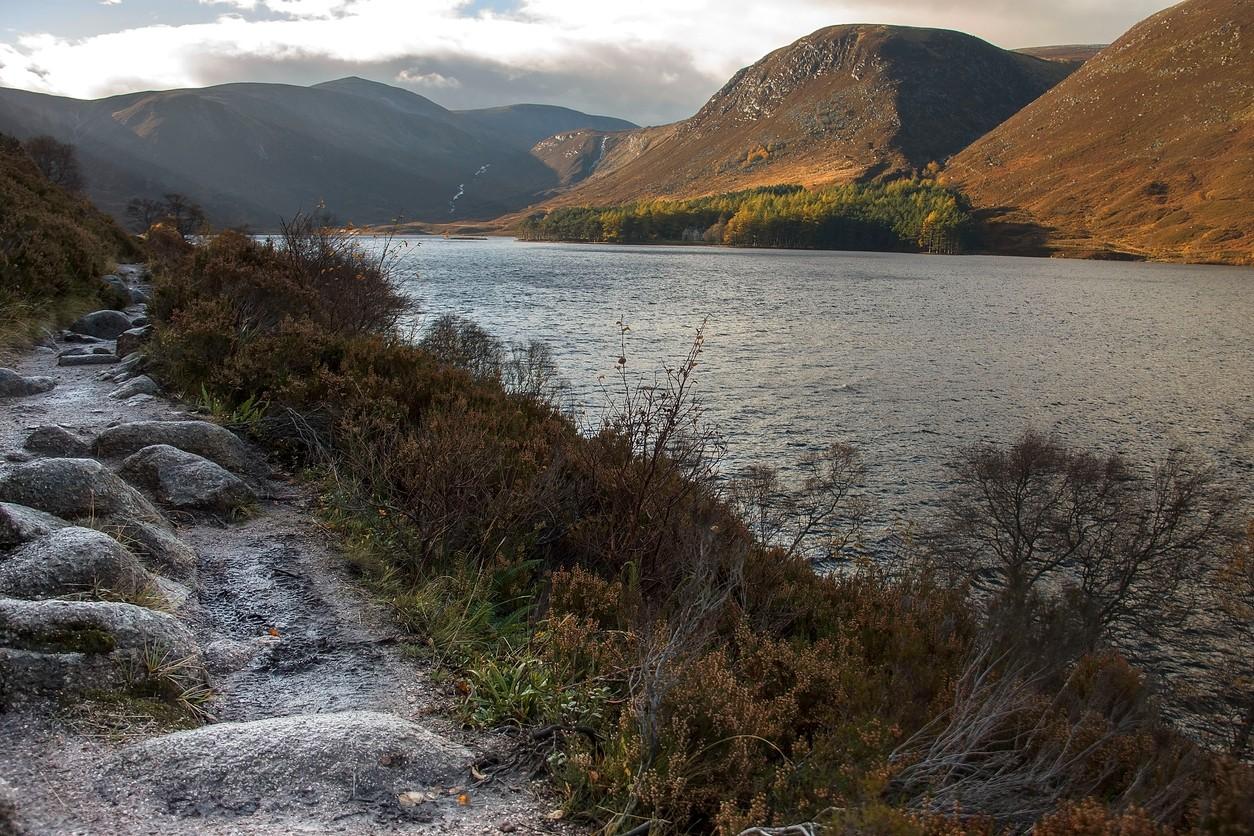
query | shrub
[679, 673]
[54, 246]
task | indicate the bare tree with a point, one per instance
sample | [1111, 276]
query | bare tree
[143, 212]
[1039, 522]
[57, 160]
[184, 213]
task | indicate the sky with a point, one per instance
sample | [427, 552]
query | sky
[650, 61]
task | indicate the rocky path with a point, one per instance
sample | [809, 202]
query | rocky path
[146, 552]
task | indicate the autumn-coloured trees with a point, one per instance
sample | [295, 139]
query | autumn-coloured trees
[905, 216]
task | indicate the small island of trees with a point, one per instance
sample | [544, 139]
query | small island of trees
[903, 216]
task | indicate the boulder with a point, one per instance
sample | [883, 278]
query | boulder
[130, 341]
[105, 325]
[139, 321]
[126, 368]
[163, 550]
[58, 648]
[363, 759]
[75, 489]
[19, 524]
[185, 481]
[215, 443]
[55, 441]
[141, 385]
[14, 385]
[74, 561]
[87, 359]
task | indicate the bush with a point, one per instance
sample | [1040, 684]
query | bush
[596, 586]
[54, 246]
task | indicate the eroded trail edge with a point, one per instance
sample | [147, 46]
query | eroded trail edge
[181, 646]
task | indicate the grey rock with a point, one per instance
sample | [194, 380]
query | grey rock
[87, 359]
[119, 284]
[81, 339]
[140, 296]
[75, 489]
[360, 758]
[70, 561]
[14, 385]
[18, 457]
[58, 648]
[85, 490]
[55, 441]
[10, 821]
[139, 321]
[130, 341]
[19, 524]
[105, 325]
[126, 368]
[163, 550]
[215, 443]
[142, 385]
[230, 655]
[185, 481]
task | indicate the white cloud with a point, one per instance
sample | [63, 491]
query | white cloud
[571, 49]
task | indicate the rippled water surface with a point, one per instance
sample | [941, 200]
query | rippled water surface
[908, 358]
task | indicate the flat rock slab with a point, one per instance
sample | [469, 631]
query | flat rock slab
[14, 385]
[141, 385]
[215, 443]
[356, 760]
[87, 359]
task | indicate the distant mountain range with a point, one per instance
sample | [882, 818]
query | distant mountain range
[845, 103]
[1144, 148]
[253, 153]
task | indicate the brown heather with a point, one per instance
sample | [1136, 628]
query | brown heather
[596, 590]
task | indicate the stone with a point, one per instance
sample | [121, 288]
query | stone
[105, 325]
[130, 341]
[162, 548]
[14, 385]
[126, 368]
[74, 561]
[140, 296]
[215, 443]
[361, 758]
[81, 339]
[141, 385]
[56, 441]
[75, 489]
[59, 648]
[19, 524]
[87, 359]
[185, 481]
[139, 321]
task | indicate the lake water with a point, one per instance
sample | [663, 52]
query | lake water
[908, 358]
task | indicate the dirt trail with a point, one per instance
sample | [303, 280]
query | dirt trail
[285, 634]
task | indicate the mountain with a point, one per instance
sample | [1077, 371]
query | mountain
[252, 153]
[1148, 149]
[845, 103]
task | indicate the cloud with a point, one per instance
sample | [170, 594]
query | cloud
[648, 60]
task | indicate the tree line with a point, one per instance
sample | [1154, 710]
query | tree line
[903, 216]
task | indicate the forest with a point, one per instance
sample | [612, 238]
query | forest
[903, 216]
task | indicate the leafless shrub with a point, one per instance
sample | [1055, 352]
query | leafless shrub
[1037, 521]
[57, 160]
[357, 291]
[818, 514]
[465, 345]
